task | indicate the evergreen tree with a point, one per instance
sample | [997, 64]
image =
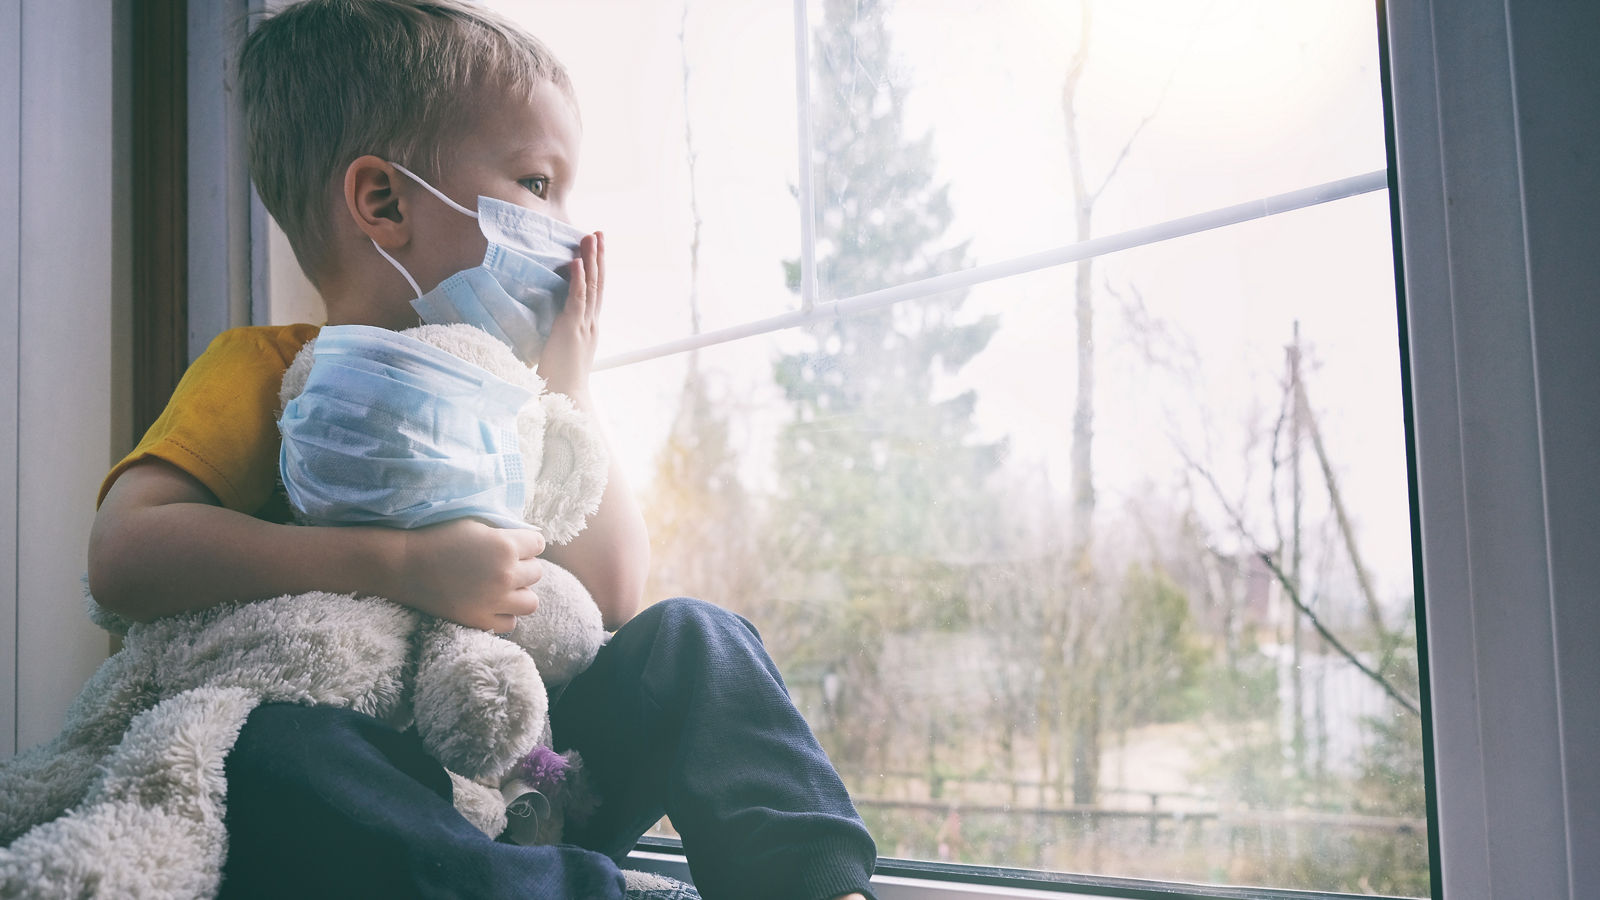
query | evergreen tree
[878, 473]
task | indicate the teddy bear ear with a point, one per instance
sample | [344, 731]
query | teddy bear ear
[294, 377]
[571, 472]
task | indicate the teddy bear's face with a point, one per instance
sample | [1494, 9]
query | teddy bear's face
[564, 460]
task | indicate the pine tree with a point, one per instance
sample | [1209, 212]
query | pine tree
[878, 473]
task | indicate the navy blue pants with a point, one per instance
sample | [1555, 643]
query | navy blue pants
[682, 713]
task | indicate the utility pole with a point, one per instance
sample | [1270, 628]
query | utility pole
[1297, 497]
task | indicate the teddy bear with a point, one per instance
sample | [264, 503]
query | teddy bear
[480, 701]
[129, 798]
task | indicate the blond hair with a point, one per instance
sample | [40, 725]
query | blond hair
[326, 81]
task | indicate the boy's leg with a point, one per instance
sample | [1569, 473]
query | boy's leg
[331, 803]
[684, 712]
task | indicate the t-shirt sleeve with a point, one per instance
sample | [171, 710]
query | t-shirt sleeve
[221, 424]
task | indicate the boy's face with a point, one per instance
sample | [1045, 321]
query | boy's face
[523, 151]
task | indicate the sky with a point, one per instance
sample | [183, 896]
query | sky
[1239, 99]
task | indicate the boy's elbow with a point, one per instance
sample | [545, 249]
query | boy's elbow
[104, 585]
[623, 594]
[112, 561]
[620, 601]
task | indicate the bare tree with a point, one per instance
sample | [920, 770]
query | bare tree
[1291, 589]
[1077, 633]
[699, 512]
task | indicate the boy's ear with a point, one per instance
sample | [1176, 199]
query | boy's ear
[369, 194]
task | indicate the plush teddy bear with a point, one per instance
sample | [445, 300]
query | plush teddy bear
[480, 701]
[129, 799]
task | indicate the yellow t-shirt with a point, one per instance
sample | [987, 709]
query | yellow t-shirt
[221, 425]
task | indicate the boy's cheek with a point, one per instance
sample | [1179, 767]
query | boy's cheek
[462, 252]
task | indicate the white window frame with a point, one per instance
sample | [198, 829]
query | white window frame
[1500, 281]
[10, 320]
[1500, 275]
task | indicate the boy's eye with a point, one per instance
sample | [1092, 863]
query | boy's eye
[538, 185]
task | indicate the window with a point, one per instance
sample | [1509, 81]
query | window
[1045, 418]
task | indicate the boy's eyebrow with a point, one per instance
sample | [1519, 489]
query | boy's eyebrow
[539, 149]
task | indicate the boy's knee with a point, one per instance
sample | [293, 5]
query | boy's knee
[689, 617]
[289, 744]
[297, 725]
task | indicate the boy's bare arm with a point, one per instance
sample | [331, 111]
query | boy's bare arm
[161, 544]
[611, 556]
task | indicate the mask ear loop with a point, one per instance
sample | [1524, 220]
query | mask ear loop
[437, 193]
[402, 269]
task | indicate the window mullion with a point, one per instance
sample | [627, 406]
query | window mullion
[1263, 207]
[808, 221]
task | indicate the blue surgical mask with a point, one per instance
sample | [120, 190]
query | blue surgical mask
[515, 293]
[392, 431]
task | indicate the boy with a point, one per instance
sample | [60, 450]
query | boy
[682, 712]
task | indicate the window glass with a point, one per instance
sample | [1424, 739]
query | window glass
[1100, 569]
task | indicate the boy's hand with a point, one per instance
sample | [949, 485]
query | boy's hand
[468, 572]
[568, 355]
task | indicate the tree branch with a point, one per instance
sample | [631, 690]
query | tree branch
[1127, 147]
[694, 199]
[1094, 195]
[1407, 703]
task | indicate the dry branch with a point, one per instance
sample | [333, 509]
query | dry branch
[1407, 703]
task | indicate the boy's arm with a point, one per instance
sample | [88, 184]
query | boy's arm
[161, 544]
[611, 556]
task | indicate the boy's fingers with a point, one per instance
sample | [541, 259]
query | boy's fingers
[577, 289]
[585, 261]
[529, 543]
[522, 602]
[599, 269]
[503, 623]
[591, 261]
[527, 573]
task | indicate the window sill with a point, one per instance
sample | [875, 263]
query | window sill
[887, 887]
[902, 880]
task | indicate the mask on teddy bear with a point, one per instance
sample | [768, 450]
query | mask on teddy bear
[391, 430]
[515, 293]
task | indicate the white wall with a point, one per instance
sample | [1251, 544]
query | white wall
[59, 362]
